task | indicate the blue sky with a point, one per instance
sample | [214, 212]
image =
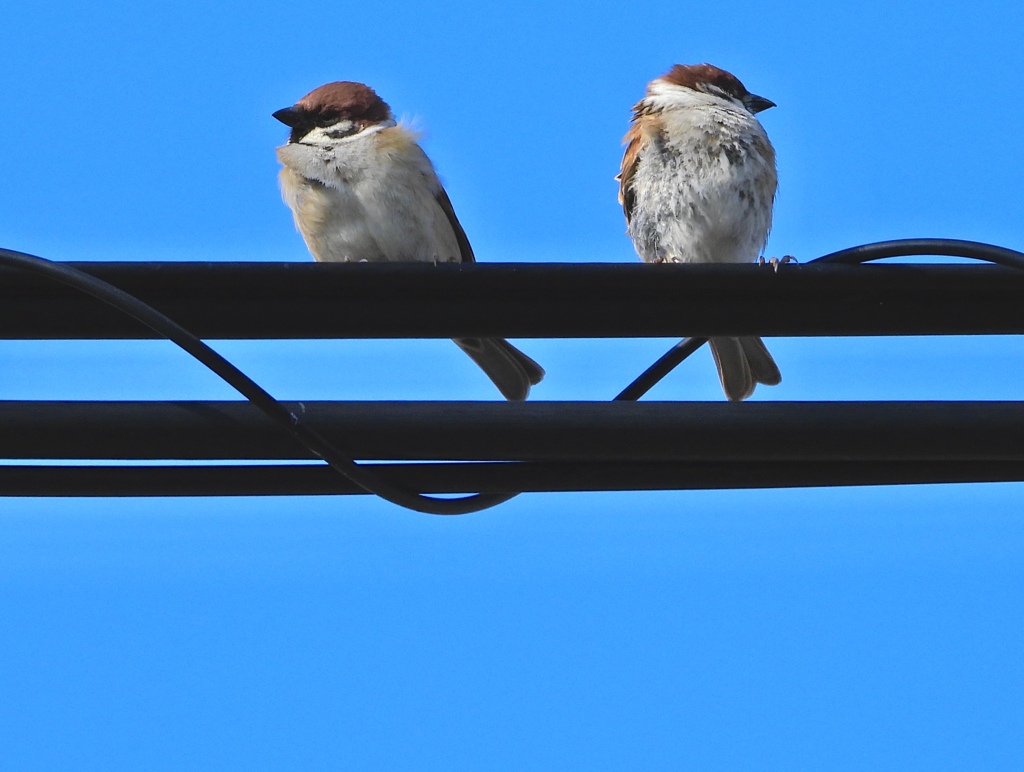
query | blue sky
[841, 629]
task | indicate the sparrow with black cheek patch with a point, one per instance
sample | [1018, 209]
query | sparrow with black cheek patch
[362, 189]
[697, 185]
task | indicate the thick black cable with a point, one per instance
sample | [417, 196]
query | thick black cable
[358, 474]
[866, 253]
[252, 391]
[669, 361]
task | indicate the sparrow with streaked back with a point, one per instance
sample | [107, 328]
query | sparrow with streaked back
[697, 185]
[361, 189]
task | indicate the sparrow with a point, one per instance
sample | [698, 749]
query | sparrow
[362, 190]
[697, 185]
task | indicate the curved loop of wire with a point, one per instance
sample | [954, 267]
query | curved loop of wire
[252, 391]
[880, 250]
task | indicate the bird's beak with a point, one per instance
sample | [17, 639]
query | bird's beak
[289, 116]
[753, 102]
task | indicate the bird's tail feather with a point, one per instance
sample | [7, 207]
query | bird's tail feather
[762, 366]
[509, 368]
[742, 364]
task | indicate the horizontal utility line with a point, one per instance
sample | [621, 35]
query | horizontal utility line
[752, 432]
[491, 477]
[305, 300]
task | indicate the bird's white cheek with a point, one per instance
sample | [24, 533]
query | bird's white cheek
[306, 160]
[290, 155]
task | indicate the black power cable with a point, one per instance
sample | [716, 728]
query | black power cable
[360, 475]
[880, 250]
[252, 391]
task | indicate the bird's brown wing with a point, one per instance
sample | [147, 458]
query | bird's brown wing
[512, 371]
[465, 250]
[634, 142]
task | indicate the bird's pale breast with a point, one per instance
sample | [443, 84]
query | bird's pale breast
[703, 191]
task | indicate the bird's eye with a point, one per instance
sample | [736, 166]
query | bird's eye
[325, 119]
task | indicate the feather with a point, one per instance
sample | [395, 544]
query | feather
[465, 249]
[733, 368]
